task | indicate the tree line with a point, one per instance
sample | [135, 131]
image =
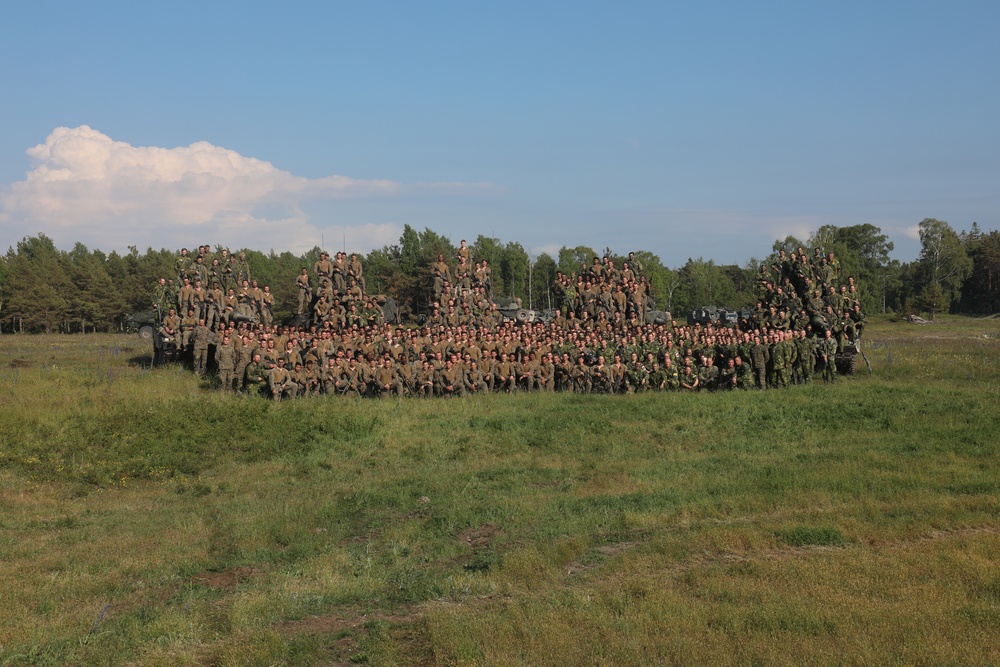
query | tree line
[45, 289]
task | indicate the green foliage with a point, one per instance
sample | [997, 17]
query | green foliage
[704, 283]
[44, 289]
[981, 291]
[514, 270]
[933, 300]
[943, 259]
[572, 259]
[95, 302]
[863, 251]
[383, 272]
[790, 244]
[543, 275]
[490, 249]
[38, 285]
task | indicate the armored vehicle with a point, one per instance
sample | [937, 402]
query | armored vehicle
[512, 310]
[144, 322]
[147, 325]
[716, 315]
[658, 317]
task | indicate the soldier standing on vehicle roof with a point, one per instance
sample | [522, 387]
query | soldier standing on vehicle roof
[305, 291]
[266, 306]
[324, 270]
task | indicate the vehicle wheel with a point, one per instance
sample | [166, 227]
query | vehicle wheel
[145, 332]
[522, 315]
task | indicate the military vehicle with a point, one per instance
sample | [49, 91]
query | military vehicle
[144, 322]
[658, 317]
[165, 348]
[512, 311]
[147, 324]
[715, 315]
[847, 358]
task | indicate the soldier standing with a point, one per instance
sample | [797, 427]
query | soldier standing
[225, 359]
[201, 335]
[305, 291]
[827, 353]
[357, 272]
[161, 298]
[266, 306]
[759, 356]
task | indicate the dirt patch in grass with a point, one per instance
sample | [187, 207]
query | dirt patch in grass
[155, 597]
[345, 619]
[482, 537]
[323, 625]
[20, 363]
[615, 549]
[227, 579]
[350, 626]
[363, 537]
[595, 557]
[598, 555]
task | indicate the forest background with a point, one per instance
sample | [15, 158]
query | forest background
[45, 289]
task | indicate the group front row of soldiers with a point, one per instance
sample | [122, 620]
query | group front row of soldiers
[388, 361]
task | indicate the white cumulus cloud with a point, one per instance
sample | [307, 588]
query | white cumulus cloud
[85, 186]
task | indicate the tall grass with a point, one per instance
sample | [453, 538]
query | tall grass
[147, 519]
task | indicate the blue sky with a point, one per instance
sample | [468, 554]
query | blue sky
[692, 130]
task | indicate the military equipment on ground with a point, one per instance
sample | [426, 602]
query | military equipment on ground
[390, 310]
[165, 348]
[147, 324]
[245, 313]
[715, 315]
[658, 317]
[144, 322]
[847, 358]
[512, 310]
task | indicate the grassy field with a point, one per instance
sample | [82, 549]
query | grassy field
[148, 520]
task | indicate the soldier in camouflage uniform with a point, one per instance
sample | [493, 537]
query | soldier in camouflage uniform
[783, 359]
[305, 290]
[225, 359]
[281, 383]
[805, 363]
[826, 352]
[201, 336]
[744, 375]
[760, 356]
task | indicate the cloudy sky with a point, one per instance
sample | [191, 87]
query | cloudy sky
[706, 130]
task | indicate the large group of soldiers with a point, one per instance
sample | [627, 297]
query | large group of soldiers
[602, 339]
